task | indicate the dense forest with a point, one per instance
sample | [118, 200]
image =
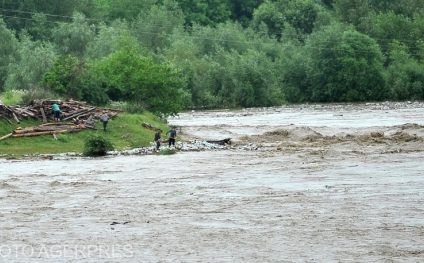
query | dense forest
[170, 55]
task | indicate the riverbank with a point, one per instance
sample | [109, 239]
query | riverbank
[125, 132]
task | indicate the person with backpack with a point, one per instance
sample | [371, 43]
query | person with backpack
[172, 136]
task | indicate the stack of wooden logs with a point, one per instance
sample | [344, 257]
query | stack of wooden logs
[76, 116]
[41, 110]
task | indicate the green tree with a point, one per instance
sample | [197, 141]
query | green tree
[405, 74]
[278, 15]
[231, 79]
[345, 65]
[73, 38]
[242, 10]
[40, 28]
[64, 76]
[354, 12]
[111, 38]
[389, 26]
[293, 67]
[124, 9]
[206, 12]
[19, 14]
[8, 44]
[34, 58]
[153, 27]
[401, 7]
[157, 87]
[227, 36]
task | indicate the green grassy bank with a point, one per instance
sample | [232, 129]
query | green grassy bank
[125, 131]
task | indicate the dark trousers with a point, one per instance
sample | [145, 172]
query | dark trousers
[104, 125]
[171, 141]
[157, 145]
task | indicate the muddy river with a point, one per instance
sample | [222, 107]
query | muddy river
[306, 183]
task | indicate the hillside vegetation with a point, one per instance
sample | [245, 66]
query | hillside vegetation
[166, 56]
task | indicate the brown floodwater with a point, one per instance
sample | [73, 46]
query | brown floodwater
[314, 183]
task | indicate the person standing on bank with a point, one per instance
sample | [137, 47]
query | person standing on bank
[158, 139]
[172, 136]
[104, 118]
[56, 112]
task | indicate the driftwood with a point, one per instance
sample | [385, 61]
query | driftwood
[221, 142]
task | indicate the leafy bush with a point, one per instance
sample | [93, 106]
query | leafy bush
[97, 146]
[167, 151]
[12, 97]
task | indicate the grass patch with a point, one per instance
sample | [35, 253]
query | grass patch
[124, 132]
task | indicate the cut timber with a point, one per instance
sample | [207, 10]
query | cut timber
[221, 142]
[6, 136]
[16, 118]
[78, 113]
[31, 134]
[43, 114]
[57, 124]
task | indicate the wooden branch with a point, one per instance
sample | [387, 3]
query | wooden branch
[15, 117]
[78, 113]
[43, 114]
[31, 134]
[6, 136]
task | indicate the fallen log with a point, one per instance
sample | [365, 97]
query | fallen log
[43, 114]
[57, 124]
[6, 136]
[78, 113]
[15, 117]
[31, 134]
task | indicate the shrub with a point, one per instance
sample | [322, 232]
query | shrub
[97, 146]
[35, 94]
[12, 97]
[167, 151]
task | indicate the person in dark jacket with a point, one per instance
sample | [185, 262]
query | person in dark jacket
[158, 139]
[172, 136]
